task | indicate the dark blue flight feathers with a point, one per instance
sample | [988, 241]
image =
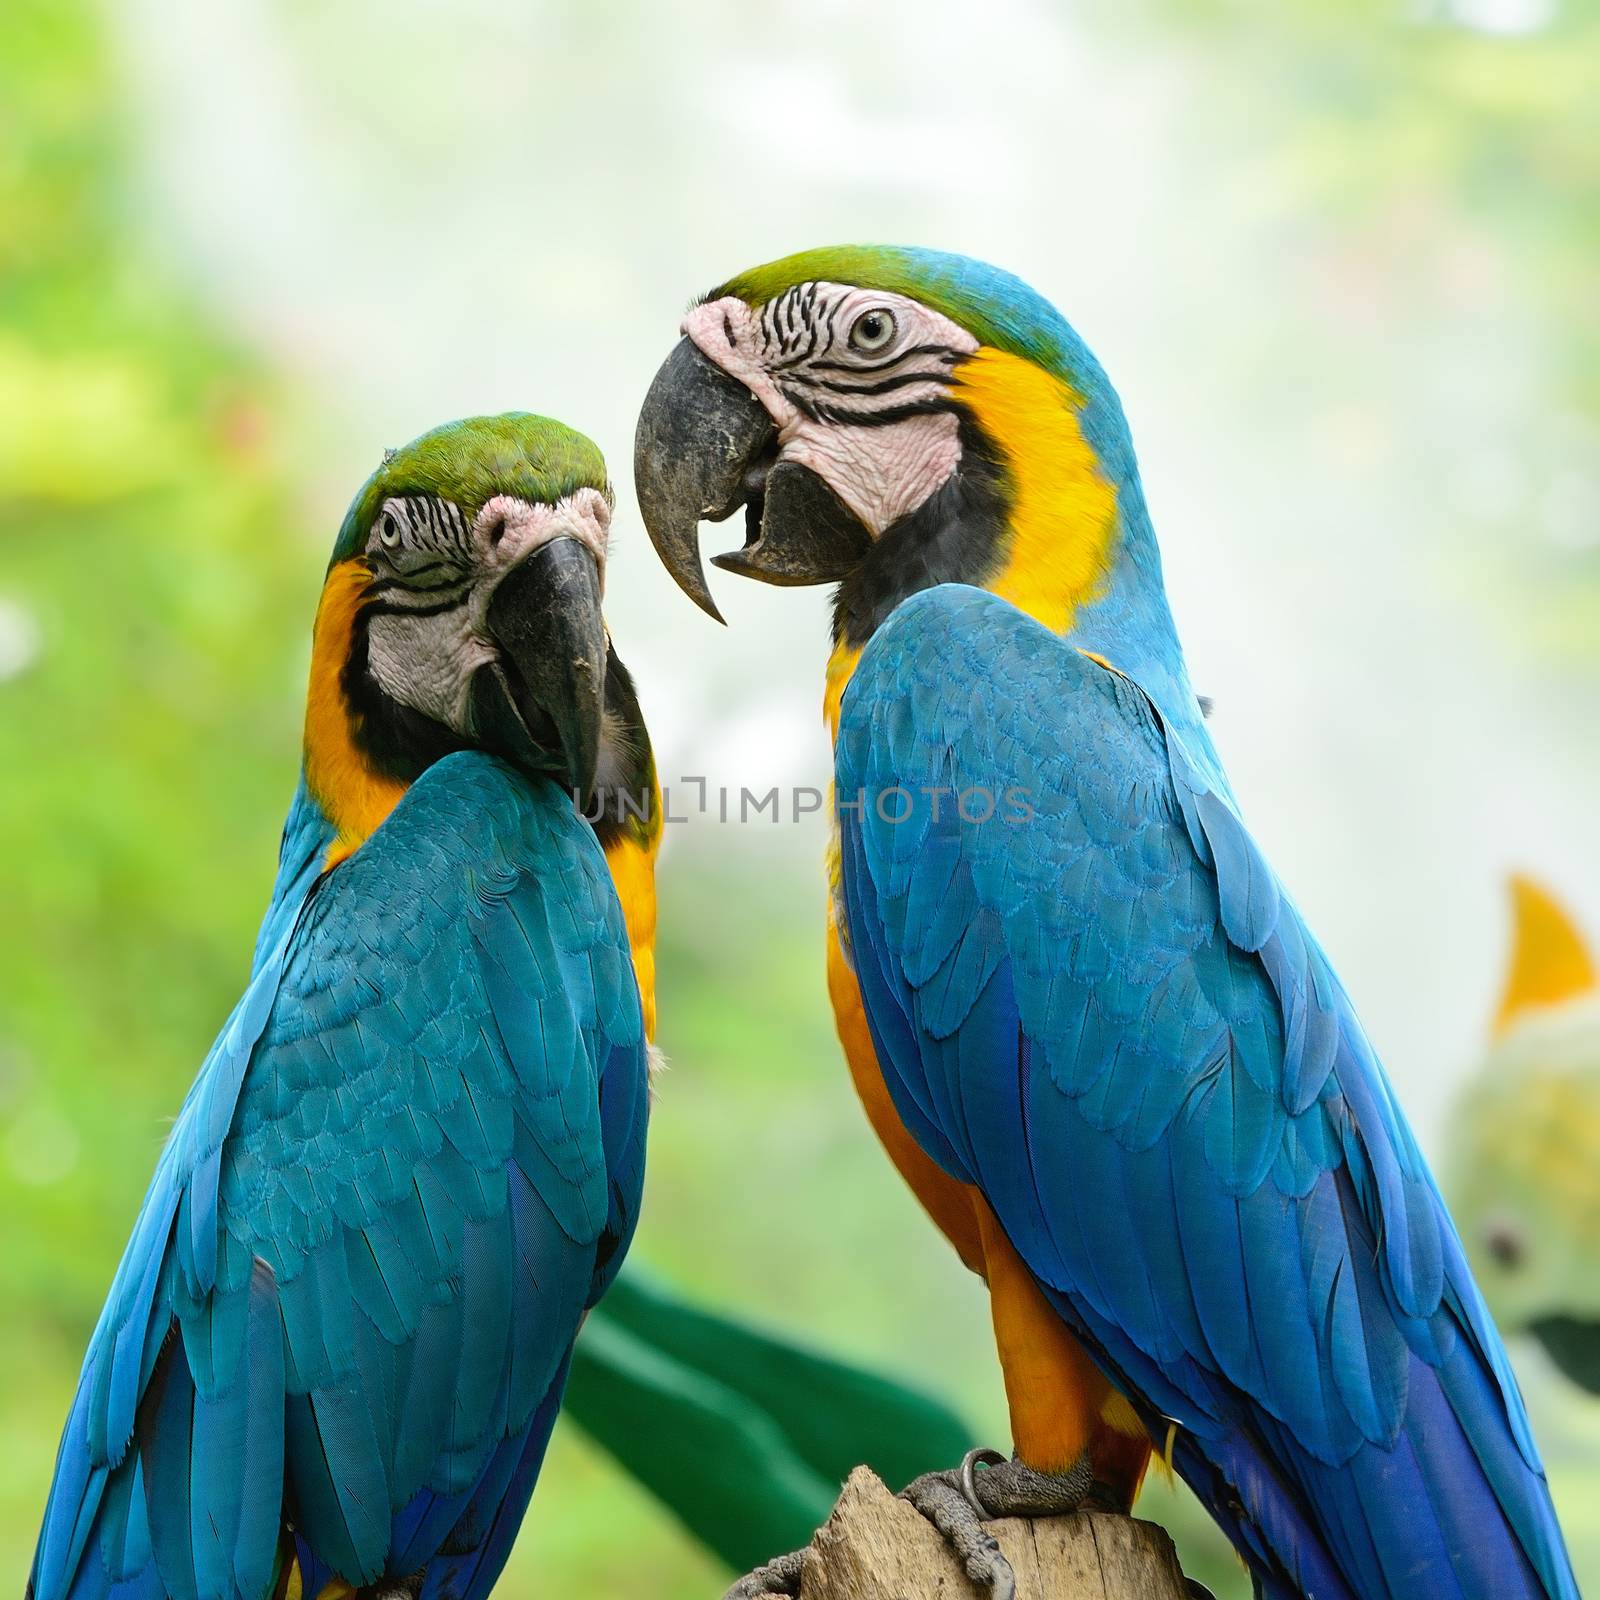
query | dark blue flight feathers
[1109, 1016]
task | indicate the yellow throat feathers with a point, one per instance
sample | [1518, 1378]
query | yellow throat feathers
[632, 861]
[1063, 507]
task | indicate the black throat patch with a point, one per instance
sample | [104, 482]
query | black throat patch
[624, 803]
[954, 536]
[398, 741]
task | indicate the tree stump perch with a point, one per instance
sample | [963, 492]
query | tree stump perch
[876, 1547]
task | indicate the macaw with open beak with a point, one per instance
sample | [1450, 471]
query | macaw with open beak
[1086, 1020]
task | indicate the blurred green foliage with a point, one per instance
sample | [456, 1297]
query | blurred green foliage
[744, 1434]
[1419, 161]
[156, 591]
[150, 616]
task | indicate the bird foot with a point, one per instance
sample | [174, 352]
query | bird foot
[987, 1486]
[779, 1576]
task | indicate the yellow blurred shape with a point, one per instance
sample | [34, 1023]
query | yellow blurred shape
[1549, 960]
[81, 430]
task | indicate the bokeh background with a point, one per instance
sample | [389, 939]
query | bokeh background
[1340, 257]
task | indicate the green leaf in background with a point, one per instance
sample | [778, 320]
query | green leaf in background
[743, 1435]
[1573, 1343]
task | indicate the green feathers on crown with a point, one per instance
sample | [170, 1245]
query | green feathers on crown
[469, 462]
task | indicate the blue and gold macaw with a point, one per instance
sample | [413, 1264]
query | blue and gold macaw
[336, 1344]
[1085, 1019]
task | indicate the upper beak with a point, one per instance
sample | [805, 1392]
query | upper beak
[545, 616]
[704, 446]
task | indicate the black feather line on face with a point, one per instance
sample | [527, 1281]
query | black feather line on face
[885, 418]
[942, 352]
[801, 332]
[423, 571]
[801, 401]
[827, 327]
[802, 352]
[903, 380]
[388, 608]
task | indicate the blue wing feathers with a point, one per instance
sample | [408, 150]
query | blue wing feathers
[1111, 1017]
[398, 1152]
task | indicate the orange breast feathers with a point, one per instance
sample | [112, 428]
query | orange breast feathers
[632, 861]
[1061, 1404]
[949, 1203]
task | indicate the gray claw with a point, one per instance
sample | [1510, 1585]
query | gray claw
[938, 1496]
[970, 1462]
[958, 1504]
[779, 1576]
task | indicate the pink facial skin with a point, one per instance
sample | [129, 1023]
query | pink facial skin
[584, 515]
[796, 356]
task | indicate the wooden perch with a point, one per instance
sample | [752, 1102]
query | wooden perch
[876, 1547]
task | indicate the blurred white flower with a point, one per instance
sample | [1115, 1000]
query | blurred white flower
[19, 639]
[1504, 16]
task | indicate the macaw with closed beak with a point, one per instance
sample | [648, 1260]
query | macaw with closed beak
[335, 1347]
[741, 1433]
[1085, 1019]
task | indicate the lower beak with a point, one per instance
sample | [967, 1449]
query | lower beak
[547, 692]
[705, 446]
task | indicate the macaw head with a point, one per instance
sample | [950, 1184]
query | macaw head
[462, 608]
[889, 419]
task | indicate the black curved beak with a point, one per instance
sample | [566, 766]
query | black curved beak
[544, 700]
[705, 446]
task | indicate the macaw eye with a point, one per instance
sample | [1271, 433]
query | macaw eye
[872, 330]
[388, 530]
